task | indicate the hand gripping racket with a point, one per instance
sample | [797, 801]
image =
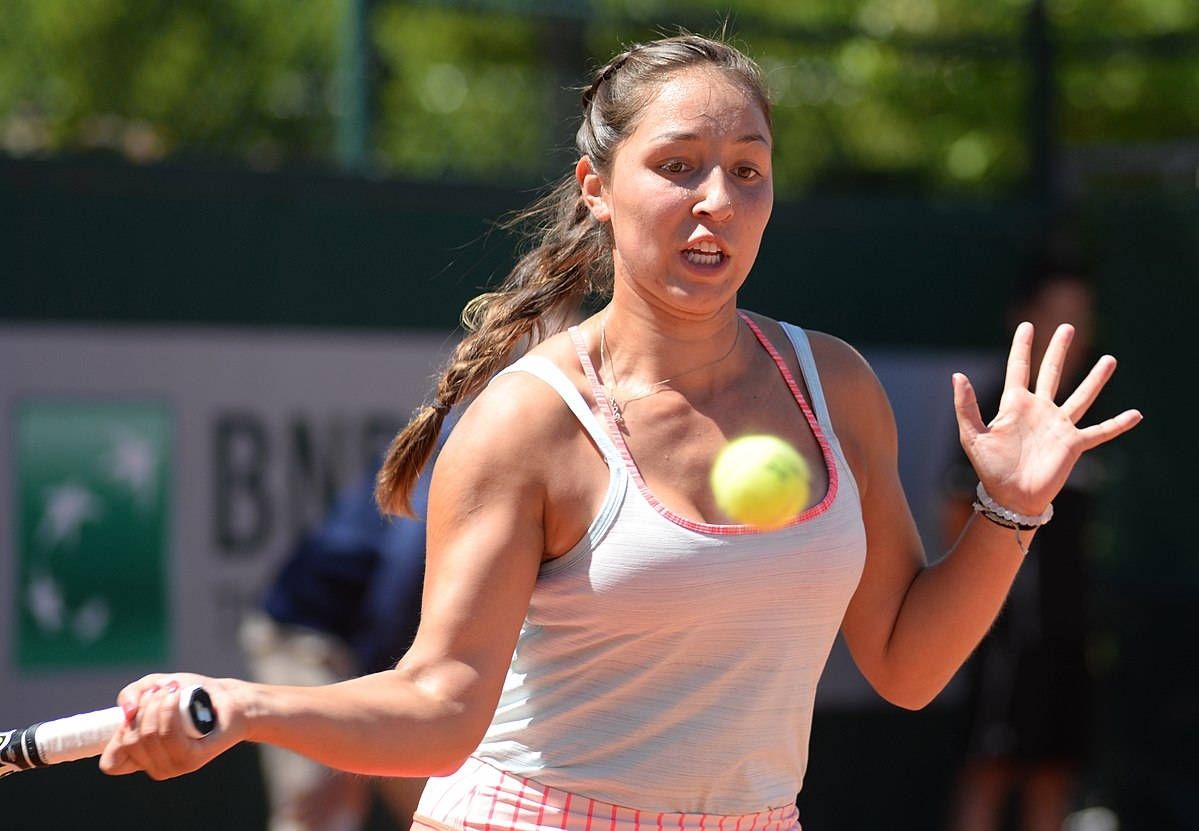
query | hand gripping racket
[86, 734]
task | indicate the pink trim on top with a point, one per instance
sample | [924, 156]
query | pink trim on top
[614, 432]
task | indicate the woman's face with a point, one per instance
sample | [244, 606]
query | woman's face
[689, 194]
[1063, 300]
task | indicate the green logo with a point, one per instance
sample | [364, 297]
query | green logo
[92, 483]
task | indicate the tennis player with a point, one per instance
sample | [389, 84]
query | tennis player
[599, 647]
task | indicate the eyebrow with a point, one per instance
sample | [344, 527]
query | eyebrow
[748, 138]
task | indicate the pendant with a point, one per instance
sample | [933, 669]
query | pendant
[617, 415]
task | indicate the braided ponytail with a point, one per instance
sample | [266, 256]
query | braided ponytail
[549, 282]
[571, 257]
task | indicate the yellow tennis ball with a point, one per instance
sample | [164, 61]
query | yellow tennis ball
[760, 480]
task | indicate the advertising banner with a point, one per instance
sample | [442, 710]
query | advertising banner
[152, 479]
[92, 506]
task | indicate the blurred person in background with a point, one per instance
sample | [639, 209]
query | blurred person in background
[345, 602]
[1029, 704]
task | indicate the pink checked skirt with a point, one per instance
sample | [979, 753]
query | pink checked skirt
[480, 797]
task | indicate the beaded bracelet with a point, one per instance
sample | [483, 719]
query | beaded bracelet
[1000, 515]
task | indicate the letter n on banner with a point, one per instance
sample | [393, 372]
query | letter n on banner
[92, 493]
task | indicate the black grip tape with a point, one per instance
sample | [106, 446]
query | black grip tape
[10, 749]
[35, 758]
[13, 750]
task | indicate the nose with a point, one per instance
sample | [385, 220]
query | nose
[715, 197]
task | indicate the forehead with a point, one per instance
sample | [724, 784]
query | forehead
[701, 102]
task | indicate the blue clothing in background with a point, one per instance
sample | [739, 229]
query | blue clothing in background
[359, 575]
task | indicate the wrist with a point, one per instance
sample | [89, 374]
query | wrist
[241, 709]
[992, 510]
[1003, 535]
[1007, 518]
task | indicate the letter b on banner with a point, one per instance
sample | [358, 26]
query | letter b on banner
[243, 515]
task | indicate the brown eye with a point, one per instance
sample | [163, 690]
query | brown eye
[675, 167]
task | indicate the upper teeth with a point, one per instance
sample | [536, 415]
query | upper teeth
[707, 247]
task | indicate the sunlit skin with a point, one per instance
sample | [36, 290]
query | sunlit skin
[696, 169]
[519, 481]
[694, 176]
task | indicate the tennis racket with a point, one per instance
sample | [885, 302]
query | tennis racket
[86, 734]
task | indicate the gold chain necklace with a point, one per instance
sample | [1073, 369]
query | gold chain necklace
[649, 389]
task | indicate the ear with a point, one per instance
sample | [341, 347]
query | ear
[591, 185]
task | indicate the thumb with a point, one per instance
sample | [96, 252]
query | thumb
[115, 761]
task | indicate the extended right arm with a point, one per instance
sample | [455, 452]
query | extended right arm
[422, 718]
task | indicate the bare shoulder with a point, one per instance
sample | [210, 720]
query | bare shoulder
[513, 422]
[858, 406]
[854, 393]
[857, 403]
[510, 435]
[844, 372]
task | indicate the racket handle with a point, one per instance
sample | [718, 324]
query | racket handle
[75, 737]
[86, 734]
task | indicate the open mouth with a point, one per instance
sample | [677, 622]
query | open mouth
[705, 254]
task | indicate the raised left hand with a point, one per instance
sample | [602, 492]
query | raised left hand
[1025, 454]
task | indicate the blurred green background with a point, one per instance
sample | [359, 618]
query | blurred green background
[223, 134]
[932, 94]
[342, 164]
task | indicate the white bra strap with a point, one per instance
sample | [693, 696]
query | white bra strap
[548, 372]
[807, 366]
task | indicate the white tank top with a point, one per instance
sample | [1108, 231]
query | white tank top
[671, 665]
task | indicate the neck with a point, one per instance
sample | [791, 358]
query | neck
[644, 350]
